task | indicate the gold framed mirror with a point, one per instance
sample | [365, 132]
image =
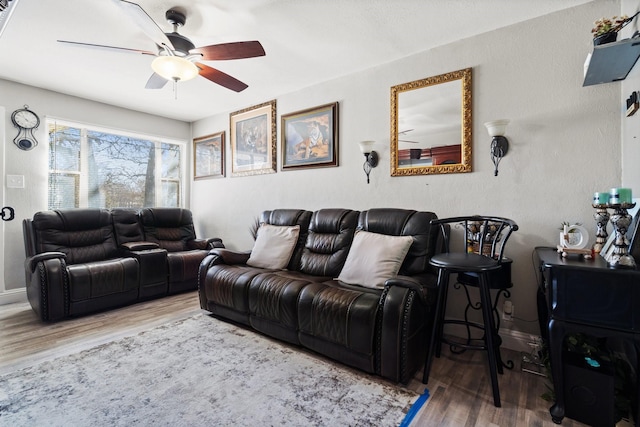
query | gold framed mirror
[431, 125]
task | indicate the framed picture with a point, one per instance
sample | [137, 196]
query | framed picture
[253, 140]
[310, 138]
[208, 156]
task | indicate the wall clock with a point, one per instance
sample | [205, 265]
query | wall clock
[26, 121]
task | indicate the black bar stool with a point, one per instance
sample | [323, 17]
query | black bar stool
[480, 258]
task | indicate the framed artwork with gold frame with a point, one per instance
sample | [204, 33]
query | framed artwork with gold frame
[208, 156]
[253, 140]
[310, 138]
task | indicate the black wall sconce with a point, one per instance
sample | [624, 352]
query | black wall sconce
[371, 157]
[499, 144]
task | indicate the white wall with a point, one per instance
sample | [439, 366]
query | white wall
[33, 164]
[565, 144]
[630, 125]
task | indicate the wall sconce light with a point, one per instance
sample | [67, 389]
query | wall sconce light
[499, 144]
[371, 157]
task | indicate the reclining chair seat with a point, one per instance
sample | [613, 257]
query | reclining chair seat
[335, 317]
[100, 279]
[172, 229]
[88, 266]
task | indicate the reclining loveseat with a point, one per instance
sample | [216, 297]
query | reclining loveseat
[85, 260]
[354, 286]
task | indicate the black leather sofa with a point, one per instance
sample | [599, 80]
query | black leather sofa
[379, 329]
[85, 260]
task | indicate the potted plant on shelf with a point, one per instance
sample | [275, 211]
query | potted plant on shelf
[606, 29]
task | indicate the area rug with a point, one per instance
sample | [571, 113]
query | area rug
[199, 371]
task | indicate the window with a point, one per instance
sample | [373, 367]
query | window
[90, 167]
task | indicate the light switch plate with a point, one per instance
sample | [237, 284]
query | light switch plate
[15, 181]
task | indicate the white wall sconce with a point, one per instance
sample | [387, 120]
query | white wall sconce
[371, 157]
[499, 144]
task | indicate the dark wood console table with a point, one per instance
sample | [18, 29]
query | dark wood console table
[586, 296]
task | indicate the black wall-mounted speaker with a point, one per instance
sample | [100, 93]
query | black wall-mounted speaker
[588, 391]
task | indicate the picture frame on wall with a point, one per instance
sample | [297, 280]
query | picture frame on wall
[310, 138]
[253, 140]
[208, 156]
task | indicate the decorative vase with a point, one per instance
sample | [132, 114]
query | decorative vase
[609, 37]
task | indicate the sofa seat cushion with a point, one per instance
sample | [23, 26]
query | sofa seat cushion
[273, 305]
[228, 285]
[101, 278]
[345, 316]
[183, 266]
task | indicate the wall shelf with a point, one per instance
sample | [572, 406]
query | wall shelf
[612, 62]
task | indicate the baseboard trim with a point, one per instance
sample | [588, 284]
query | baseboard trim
[13, 296]
[513, 340]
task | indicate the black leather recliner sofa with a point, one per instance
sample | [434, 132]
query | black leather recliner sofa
[381, 330]
[85, 260]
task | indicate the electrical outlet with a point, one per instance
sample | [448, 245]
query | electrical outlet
[507, 311]
[15, 181]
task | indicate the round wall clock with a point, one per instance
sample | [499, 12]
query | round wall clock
[26, 121]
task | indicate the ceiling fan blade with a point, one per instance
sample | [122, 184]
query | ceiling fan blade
[145, 22]
[221, 78]
[237, 50]
[156, 81]
[101, 46]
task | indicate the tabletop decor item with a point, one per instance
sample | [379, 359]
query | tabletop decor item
[621, 220]
[601, 216]
[574, 239]
[616, 249]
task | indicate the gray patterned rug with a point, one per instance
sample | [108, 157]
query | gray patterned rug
[199, 371]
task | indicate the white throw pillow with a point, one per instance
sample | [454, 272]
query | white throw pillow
[374, 258]
[274, 246]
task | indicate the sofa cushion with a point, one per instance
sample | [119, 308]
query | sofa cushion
[83, 235]
[274, 246]
[330, 236]
[101, 278]
[290, 217]
[405, 222]
[170, 228]
[374, 258]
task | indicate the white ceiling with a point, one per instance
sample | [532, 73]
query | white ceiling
[306, 42]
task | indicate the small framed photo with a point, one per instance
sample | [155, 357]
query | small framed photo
[253, 140]
[310, 138]
[208, 156]
[608, 247]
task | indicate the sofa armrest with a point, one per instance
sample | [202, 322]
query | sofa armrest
[139, 246]
[31, 262]
[47, 285]
[215, 242]
[421, 283]
[230, 257]
[212, 243]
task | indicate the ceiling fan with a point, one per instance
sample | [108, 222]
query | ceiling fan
[404, 132]
[177, 57]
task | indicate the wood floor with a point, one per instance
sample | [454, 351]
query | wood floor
[459, 387]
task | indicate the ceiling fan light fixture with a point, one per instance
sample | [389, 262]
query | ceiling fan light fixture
[174, 68]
